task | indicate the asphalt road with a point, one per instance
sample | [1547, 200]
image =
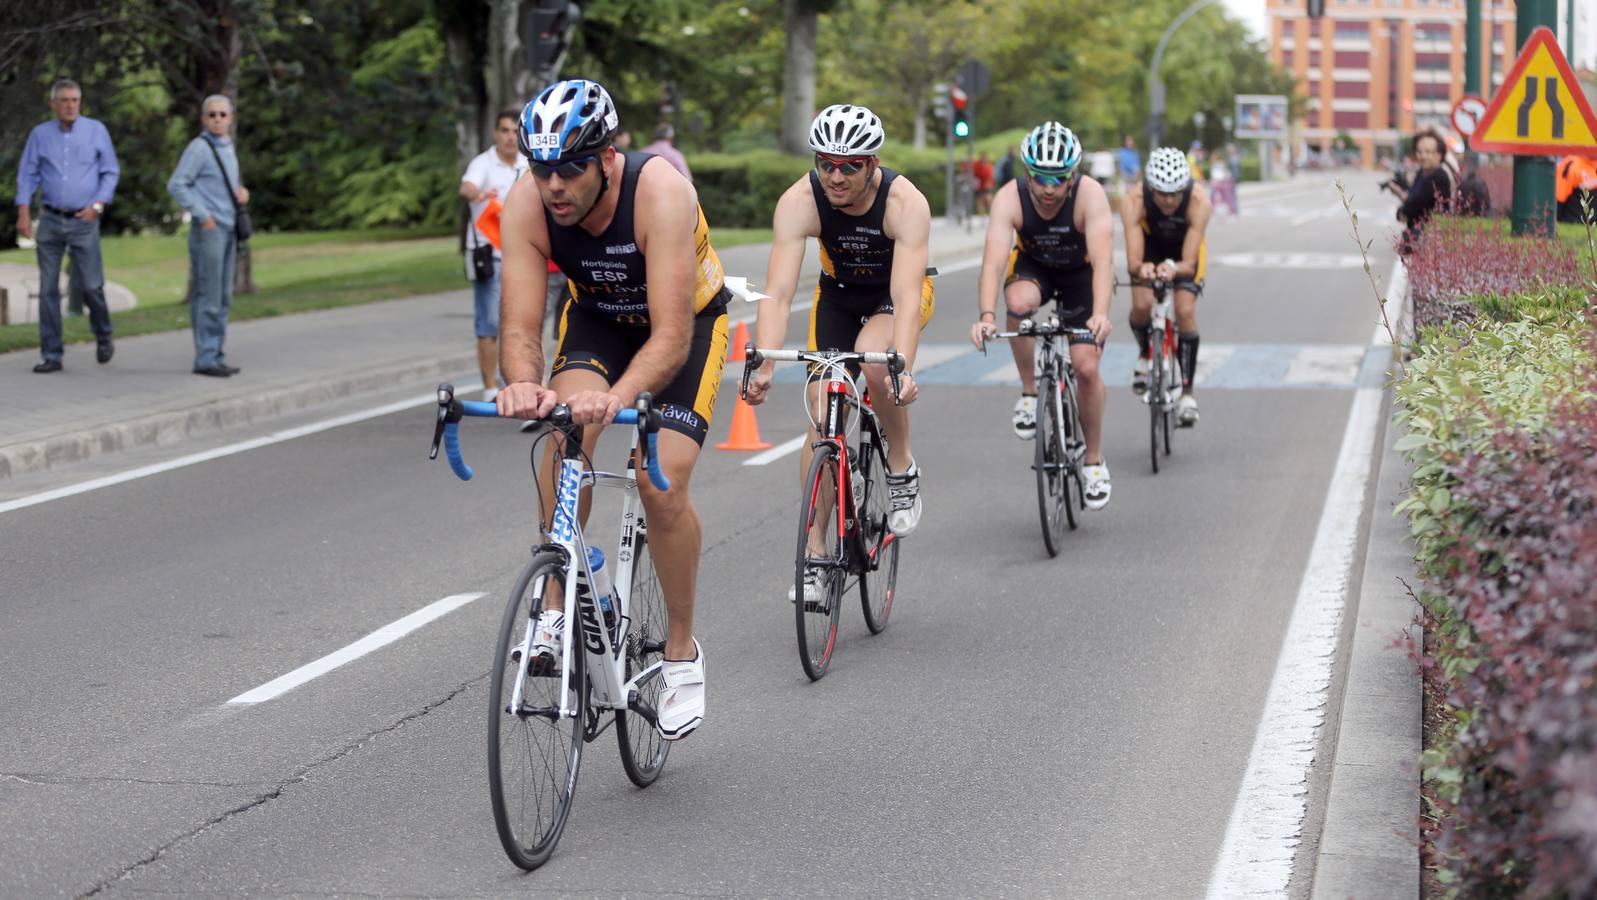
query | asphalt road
[1026, 726]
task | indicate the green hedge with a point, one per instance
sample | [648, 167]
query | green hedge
[740, 190]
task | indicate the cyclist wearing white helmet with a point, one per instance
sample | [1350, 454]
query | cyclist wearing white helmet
[1165, 223]
[1063, 232]
[647, 313]
[872, 226]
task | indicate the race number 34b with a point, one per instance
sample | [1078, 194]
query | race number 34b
[1550, 96]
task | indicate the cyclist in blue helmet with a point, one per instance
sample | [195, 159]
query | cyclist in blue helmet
[1063, 235]
[647, 313]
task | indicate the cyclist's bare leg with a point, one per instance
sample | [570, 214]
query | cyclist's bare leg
[674, 536]
[1187, 320]
[1023, 297]
[1141, 307]
[569, 382]
[876, 336]
[1090, 393]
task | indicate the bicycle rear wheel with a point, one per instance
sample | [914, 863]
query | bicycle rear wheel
[817, 612]
[1156, 389]
[643, 751]
[1053, 493]
[880, 564]
[533, 751]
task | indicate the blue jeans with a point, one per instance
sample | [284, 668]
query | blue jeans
[212, 252]
[485, 305]
[56, 234]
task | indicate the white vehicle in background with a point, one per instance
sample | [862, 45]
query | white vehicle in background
[1101, 166]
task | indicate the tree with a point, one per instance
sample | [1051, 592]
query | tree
[802, 18]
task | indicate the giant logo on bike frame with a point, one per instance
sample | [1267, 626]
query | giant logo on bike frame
[566, 503]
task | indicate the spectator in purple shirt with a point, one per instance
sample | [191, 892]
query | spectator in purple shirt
[664, 134]
[71, 163]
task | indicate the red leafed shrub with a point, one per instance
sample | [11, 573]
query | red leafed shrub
[1458, 258]
[1520, 817]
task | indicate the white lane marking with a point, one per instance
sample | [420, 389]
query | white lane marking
[1332, 364]
[1321, 213]
[192, 459]
[1396, 291]
[1266, 821]
[767, 457]
[1210, 359]
[379, 638]
[800, 305]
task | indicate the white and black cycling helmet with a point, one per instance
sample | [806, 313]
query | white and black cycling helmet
[842, 130]
[567, 119]
[1167, 170]
[1051, 149]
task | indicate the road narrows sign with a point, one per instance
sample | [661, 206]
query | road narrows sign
[1540, 110]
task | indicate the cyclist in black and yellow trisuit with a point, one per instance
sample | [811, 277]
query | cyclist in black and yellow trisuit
[874, 294]
[648, 313]
[1165, 223]
[1063, 232]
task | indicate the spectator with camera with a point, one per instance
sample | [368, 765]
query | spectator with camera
[1430, 188]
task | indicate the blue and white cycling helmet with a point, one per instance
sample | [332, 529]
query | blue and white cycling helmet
[567, 119]
[1167, 170]
[1051, 149]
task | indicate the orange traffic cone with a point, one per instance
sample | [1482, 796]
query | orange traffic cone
[745, 433]
[740, 340]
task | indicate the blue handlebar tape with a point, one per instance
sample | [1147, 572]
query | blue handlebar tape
[479, 408]
[452, 450]
[655, 474]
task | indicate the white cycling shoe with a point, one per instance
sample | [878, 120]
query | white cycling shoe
[1188, 413]
[812, 589]
[544, 655]
[1139, 375]
[905, 492]
[1024, 419]
[1096, 490]
[681, 706]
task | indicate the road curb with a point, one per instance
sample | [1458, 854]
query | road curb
[222, 415]
[1369, 840]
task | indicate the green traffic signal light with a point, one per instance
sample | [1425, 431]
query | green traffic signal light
[961, 129]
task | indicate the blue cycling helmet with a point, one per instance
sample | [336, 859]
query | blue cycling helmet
[1051, 149]
[567, 119]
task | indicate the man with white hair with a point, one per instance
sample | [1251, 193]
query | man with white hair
[71, 163]
[206, 183]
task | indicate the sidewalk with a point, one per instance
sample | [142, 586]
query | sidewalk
[146, 395]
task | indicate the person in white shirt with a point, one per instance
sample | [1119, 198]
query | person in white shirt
[489, 176]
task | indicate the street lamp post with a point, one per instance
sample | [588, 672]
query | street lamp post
[1155, 84]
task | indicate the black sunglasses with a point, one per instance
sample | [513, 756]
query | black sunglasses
[827, 165]
[567, 169]
[217, 114]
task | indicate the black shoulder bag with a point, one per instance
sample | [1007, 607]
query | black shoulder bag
[241, 217]
[482, 255]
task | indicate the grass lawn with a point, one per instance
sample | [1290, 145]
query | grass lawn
[294, 272]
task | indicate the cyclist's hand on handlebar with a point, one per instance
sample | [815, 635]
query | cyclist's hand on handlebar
[1166, 270]
[981, 331]
[1100, 326]
[1148, 272]
[759, 384]
[908, 390]
[594, 407]
[524, 400]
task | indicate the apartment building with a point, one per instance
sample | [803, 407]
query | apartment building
[1378, 70]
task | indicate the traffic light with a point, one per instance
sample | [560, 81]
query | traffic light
[546, 31]
[961, 103]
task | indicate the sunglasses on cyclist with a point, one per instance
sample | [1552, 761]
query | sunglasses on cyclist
[567, 169]
[1049, 179]
[827, 164]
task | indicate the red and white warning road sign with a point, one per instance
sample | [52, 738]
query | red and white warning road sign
[1467, 113]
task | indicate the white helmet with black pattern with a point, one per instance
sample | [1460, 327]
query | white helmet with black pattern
[1168, 171]
[844, 130]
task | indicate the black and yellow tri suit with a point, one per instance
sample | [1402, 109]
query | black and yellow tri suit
[856, 270]
[1052, 253]
[1164, 237]
[606, 321]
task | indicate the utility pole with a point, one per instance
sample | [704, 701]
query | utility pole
[1155, 84]
[1534, 199]
[1472, 47]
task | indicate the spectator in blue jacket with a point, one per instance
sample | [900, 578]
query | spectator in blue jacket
[207, 184]
[71, 163]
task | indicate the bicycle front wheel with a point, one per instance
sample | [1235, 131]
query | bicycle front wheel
[1156, 398]
[1053, 494]
[880, 560]
[534, 750]
[820, 556]
[643, 751]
